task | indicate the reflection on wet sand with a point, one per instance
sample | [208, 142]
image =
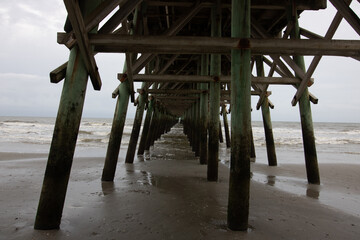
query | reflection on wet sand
[271, 180]
[107, 187]
[288, 184]
[312, 191]
[142, 177]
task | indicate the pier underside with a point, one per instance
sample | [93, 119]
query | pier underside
[192, 58]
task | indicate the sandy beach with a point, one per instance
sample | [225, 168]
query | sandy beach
[166, 196]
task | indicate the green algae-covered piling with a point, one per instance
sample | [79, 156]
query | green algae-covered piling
[221, 137]
[136, 127]
[65, 134]
[312, 168]
[117, 129]
[226, 126]
[265, 110]
[214, 101]
[252, 147]
[153, 123]
[239, 186]
[146, 127]
[197, 127]
[204, 98]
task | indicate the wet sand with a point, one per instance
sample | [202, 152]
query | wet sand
[166, 196]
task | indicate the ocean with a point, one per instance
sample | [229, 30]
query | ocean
[335, 142]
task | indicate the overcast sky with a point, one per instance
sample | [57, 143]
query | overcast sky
[29, 52]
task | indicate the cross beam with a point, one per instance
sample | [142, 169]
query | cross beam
[218, 45]
[208, 79]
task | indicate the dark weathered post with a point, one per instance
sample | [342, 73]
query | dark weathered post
[146, 127]
[117, 129]
[252, 147]
[312, 168]
[226, 126]
[136, 127]
[204, 99]
[197, 128]
[221, 137]
[63, 143]
[215, 71]
[269, 137]
[238, 205]
[153, 124]
[193, 128]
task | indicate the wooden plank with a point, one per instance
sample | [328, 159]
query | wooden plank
[348, 14]
[90, 22]
[255, 4]
[183, 20]
[119, 16]
[283, 71]
[177, 98]
[207, 79]
[80, 32]
[218, 45]
[329, 34]
[173, 91]
[253, 93]
[93, 19]
[58, 74]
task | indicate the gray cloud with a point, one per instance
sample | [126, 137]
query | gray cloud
[29, 52]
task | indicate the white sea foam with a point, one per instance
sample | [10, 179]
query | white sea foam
[95, 133]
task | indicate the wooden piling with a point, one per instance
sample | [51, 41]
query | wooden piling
[265, 110]
[312, 168]
[65, 134]
[226, 126]
[117, 129]
[136, 128]
[152, 129]
[215, 71]
[238, 203]
[269, 137]
[146, 127]
[204, 112]
[197, 127]
[221, 137]
[252, 150]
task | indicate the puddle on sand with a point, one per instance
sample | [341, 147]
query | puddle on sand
[343, 202]
[143, 177]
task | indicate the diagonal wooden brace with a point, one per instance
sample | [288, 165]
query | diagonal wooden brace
[80, 32]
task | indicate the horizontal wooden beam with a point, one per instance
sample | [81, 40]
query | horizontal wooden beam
[177, 97]
[173, 91]
[209, 79]
[191, 92]
[202, 45]
[253, 93]
[58, 74]
[255, 4]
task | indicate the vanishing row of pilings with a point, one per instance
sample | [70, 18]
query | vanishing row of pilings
[201, 123]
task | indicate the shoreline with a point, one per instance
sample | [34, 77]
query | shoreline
[168, 197]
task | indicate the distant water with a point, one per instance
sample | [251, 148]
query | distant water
[33, 135]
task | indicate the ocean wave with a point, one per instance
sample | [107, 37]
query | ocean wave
[91, 140]
[20, 121]
[85, 132]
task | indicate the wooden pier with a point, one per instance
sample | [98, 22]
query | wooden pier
[198, 57]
